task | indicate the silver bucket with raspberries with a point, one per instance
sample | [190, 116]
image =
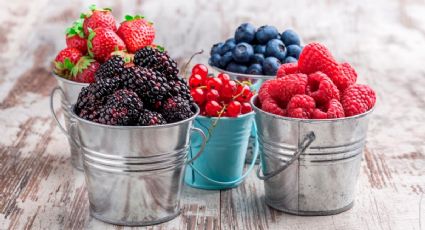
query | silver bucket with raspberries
[312, 127]
[254, 55]
[69, 91]
[133, 126]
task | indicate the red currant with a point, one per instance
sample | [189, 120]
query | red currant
[246, 108]
[213, 95]
[224, 77]
[213, 108]
[198, 96]
[244, 93]
[234, 109]
[195, 81]
[214, 83]
[200, 69]
[229, 89]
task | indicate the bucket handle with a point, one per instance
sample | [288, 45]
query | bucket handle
[308, 139]
[72, 124]
[52, 109]
[204, 142]
[248, 171]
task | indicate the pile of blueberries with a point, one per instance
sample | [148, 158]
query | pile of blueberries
[256, 51]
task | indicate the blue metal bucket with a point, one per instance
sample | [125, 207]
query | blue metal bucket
[222, 162]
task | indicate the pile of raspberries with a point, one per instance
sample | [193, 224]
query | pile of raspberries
[143, 90]
[317, 87]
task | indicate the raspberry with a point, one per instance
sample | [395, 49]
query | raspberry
[270, 105]
[288, 68]
[333, 109]
[316, 57]
[321, 88]
[301, 106]
[357, 99]
[287, 86]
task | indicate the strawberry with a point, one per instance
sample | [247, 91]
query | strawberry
[102, 42]
[96, 18]
[65, 61]
[75, 37]
[85, 70]
[136, 32]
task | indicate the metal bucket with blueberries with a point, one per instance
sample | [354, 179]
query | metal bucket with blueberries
[69, 91]
[310, 167]
[134, 174]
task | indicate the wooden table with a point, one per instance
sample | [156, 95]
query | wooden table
[383, 39]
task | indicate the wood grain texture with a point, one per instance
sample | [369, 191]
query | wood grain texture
[384, 40]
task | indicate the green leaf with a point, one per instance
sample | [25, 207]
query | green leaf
[108, 9]
[91, 34]
[82, 15]
[68, 64]
[160, 48]
[128, 17]
[92, 7]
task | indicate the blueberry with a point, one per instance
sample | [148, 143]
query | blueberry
[225, 59]
[257, 58]
[259, 49]
[242, 52]
[294, 51]
[216, 48]
[266, 33]
[290, 59]
[255, 69]
[289, 37]
[276, 48]
[236, 68]
[227, 46]
[270, 65]
[245, 33]
[215, 60]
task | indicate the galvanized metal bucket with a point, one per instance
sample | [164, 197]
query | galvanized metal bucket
[134, 174]
[69, 94]
[222, 162]
[256, 81]
[310, 167]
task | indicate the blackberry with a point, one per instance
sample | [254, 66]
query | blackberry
[176, 109]
[148, 118]
[156, 60]
[111, 68]
[150, 85]
[121, 108]
[179, 87]
[92, 96]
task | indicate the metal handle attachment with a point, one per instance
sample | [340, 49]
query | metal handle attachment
[204, 142]
[248, 171]
[72, 125]
[308, 139]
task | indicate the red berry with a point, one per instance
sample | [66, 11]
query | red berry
[201, 70]
[246, 108]
[214, 83]
[213, 108]
[213, 95]
[301, 106]
[357, 99]
[287, 68]
[234, 109]
[228, 90]
[321, 88]
[198, 96]
[224, 77]
[333, 109]
[271, 106]
[244, 93]
[195, 81]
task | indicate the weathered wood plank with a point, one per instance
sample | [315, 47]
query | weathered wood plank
[382, 39]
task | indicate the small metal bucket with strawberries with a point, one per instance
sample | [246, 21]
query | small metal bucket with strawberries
[254, 55]
[227, 119]
[312, 125]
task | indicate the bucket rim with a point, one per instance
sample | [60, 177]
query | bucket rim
[59, 78]
[256, 109]
[75, 116]
[240, 117]
[251, 76]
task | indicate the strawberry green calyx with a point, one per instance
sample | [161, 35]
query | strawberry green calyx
[130, 17]
[63, 68]
[81, 65]
[128, 57]
[160, 48]
[89, 41]
[76, 29]
[93, 8]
